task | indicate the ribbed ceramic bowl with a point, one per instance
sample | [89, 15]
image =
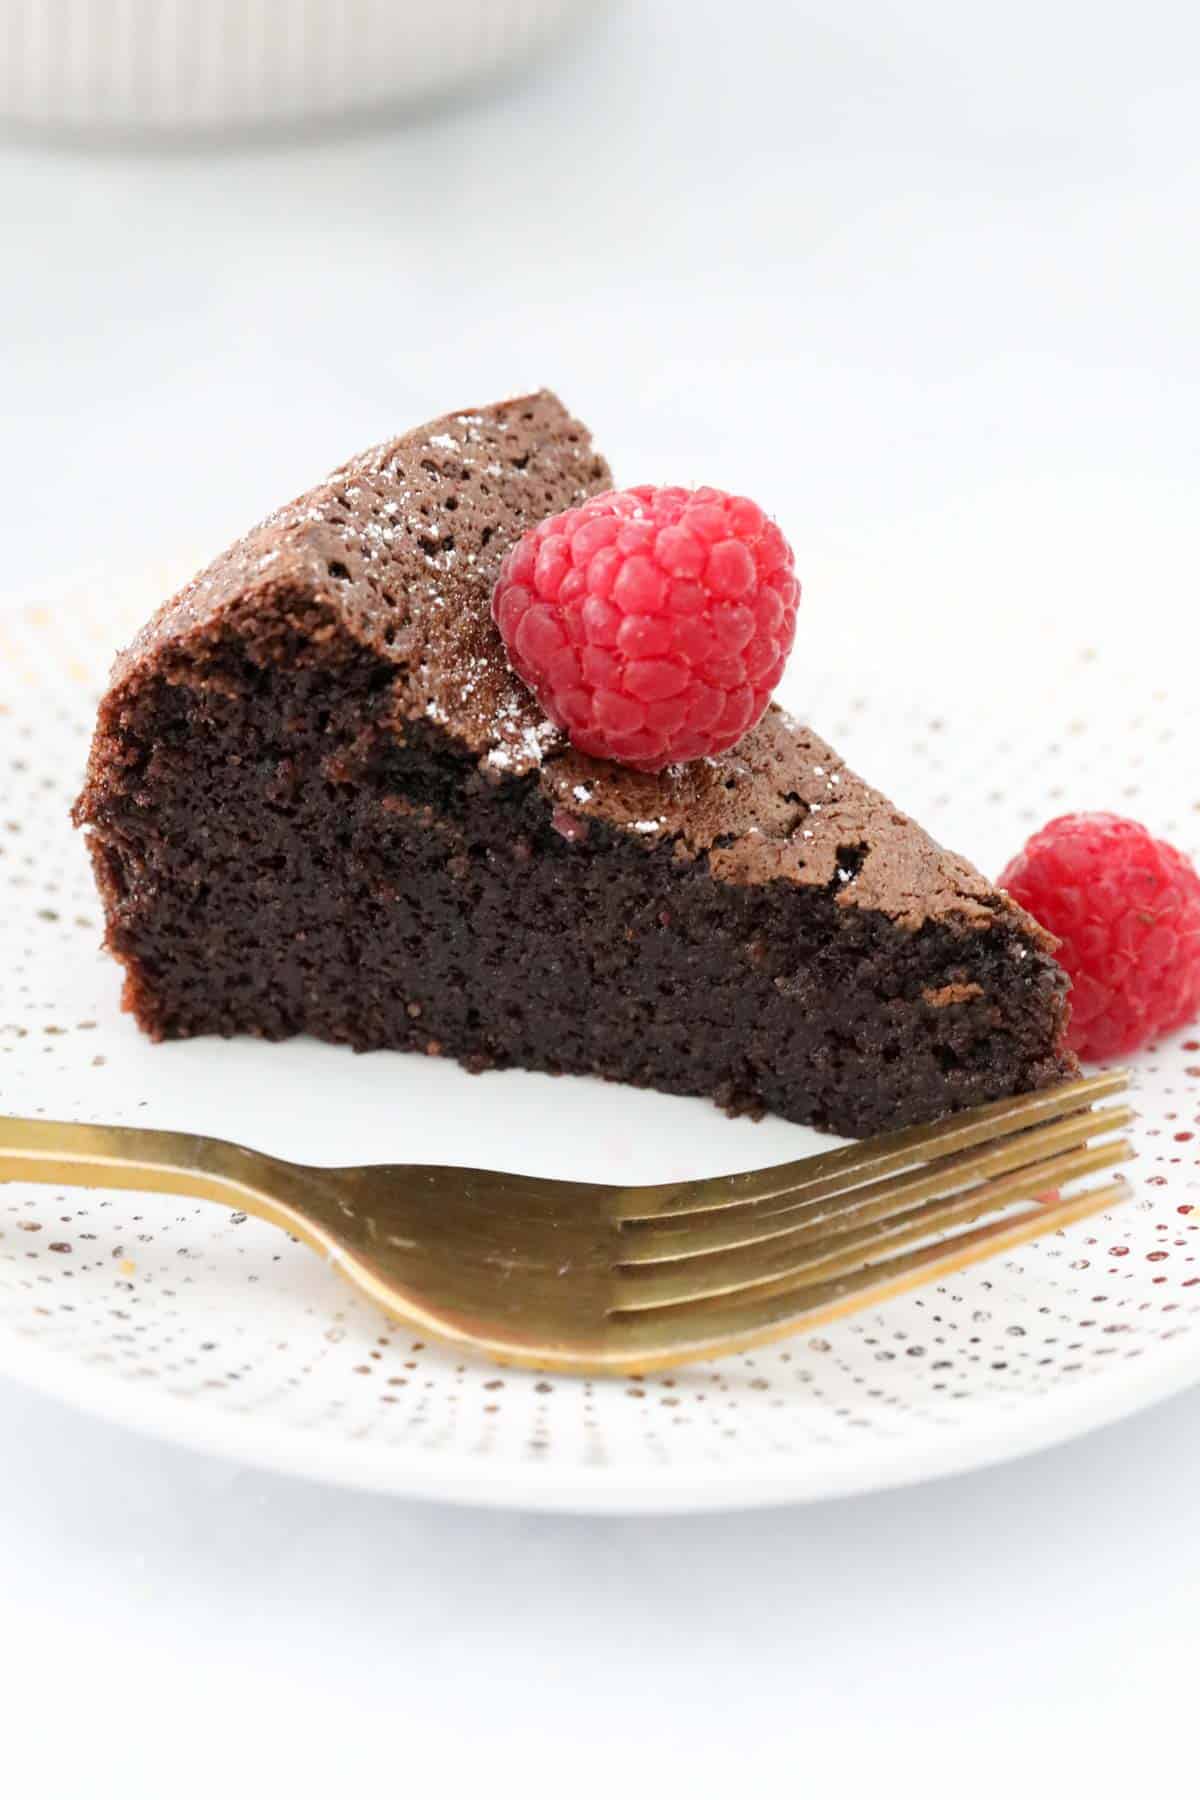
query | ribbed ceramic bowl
[212, 65]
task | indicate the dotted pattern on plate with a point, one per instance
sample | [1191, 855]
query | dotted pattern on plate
[220, 1312]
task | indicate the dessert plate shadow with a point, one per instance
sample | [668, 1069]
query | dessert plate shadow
[215, 1332]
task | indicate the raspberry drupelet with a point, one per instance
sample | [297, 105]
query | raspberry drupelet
[1126, 909]
[651, 624]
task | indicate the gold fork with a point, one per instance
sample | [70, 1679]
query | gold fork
[592, 1279]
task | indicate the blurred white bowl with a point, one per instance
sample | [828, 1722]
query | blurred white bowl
[200, 65]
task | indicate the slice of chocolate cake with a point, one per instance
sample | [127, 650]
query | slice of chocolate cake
[319, 801]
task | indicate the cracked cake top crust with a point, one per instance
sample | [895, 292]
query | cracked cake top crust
[399, 549]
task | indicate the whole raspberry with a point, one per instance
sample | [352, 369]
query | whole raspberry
[651, 624]
[1126, 907]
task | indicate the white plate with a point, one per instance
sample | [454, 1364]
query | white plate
[179, 1320]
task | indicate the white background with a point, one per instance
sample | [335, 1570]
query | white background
[924, 279]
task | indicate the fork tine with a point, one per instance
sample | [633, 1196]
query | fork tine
[879, 1156]
[820, 1256]
[682, 1236]
[720, 1326]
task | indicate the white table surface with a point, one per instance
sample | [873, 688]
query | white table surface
[924, 280]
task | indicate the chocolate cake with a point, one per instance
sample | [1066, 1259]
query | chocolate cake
[319, 801]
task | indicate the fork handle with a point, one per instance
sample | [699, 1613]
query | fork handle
[132, 1156]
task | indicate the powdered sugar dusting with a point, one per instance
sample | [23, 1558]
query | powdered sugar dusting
[525, 749]
[361, 541]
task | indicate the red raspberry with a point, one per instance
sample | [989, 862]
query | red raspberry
[651, 624]
[1126, 907]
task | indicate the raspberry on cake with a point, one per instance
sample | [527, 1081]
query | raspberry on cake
[653, 624]
[1125, 907]
[320, 800]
